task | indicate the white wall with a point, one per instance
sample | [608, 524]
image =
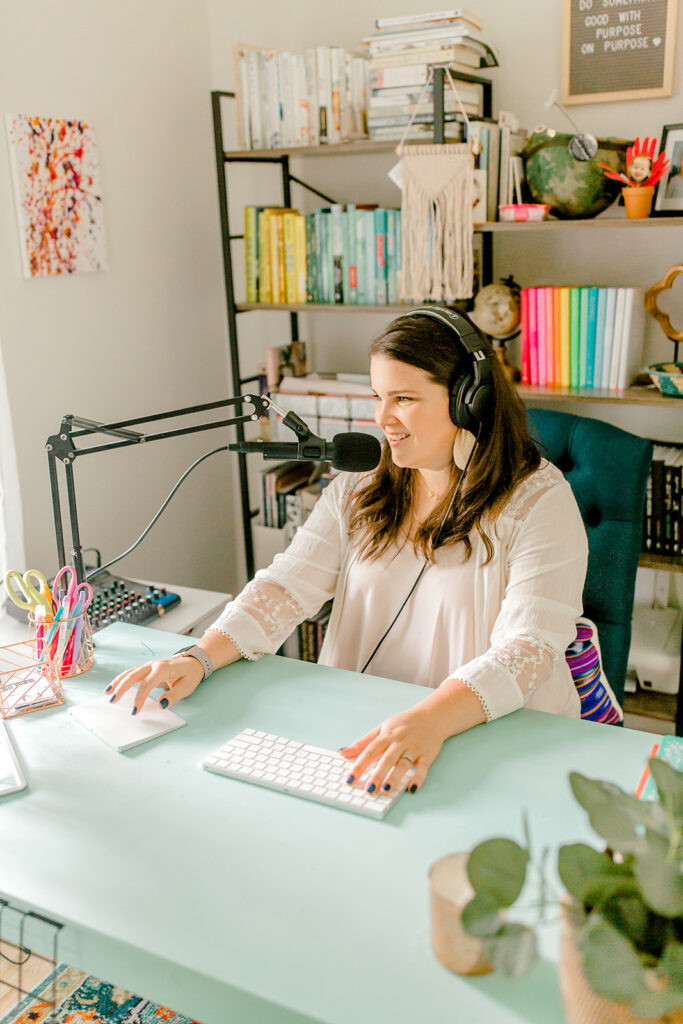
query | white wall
[147, 335]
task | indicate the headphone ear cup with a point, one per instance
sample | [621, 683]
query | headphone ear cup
[460, 414]
[480, 403]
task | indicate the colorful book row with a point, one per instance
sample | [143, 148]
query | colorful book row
[336, 254]
[581, 337]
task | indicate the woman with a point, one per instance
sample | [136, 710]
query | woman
[457, 564]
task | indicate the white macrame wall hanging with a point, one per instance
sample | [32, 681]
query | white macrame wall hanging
[436, 218]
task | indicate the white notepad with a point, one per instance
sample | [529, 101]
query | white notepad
[11, 776]
[118, 728]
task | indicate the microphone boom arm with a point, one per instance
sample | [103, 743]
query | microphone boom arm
[61, 448]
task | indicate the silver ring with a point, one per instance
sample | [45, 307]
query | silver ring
[407, 758]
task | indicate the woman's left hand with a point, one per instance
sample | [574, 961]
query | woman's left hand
[404, 747]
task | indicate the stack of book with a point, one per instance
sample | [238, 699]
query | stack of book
[312, 633]
[329, 405]
[499, 168]
[289, 490]
[294, 99]
[336, 254]
[663, 526]
[585, 337]
[402, 50]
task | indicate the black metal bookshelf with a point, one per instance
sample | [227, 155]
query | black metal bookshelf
[281, 157]
[225, 158]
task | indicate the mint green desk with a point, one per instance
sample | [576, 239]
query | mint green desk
[233, 903]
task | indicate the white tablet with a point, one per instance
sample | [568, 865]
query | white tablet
[11, 776]
[118, 728]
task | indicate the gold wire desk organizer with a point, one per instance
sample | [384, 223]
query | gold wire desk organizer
[15, 953]
[28, 680]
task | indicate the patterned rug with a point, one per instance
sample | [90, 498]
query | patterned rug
[81, 999]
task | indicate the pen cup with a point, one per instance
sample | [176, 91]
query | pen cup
[67, 641]
[28, 681]
[450, 891]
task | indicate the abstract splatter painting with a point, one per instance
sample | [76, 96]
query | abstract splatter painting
[59, 195]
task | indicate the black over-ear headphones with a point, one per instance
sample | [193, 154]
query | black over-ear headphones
[471, 392]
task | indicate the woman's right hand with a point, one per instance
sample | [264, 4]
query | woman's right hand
[178, 676]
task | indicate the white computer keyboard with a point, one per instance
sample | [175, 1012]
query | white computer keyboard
[297, 768]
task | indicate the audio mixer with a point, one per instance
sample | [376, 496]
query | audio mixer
[116, 599]
[120, 600]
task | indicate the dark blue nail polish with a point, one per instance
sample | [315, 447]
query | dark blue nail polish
[372, 787]
[413, 788]
[112, 698]
[386, 787]
[134, 711]
[108, 689]
[350, 779]
[164, 702]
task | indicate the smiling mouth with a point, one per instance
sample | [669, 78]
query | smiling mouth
[396, 438]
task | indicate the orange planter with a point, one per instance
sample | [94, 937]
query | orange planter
[638, 200]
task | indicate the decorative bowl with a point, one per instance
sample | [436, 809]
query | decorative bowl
[573, 188]
[523, 211]
[668, 377]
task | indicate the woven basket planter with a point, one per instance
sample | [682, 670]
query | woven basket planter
[581, 1004]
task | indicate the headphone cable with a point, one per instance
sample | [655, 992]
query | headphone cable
[458, 487]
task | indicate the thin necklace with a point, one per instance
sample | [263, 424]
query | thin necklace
[432, 494]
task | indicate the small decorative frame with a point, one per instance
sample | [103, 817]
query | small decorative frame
[651, 305]
[669, 195]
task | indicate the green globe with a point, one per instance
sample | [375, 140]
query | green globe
[573, 188]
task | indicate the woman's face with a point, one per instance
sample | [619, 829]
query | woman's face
[413, 413]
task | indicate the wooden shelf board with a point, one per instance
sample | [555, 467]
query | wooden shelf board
[651, 704]
[594, 222]
[323, 307]
[674, 563]
[632, 396]
[359, 148]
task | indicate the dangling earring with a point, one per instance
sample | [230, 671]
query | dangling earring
[462, 447]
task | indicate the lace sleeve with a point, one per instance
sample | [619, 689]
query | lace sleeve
[260, 620]
[510, 672]
[546, 570]
[297, 583]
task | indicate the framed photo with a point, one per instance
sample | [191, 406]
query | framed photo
[669, 195]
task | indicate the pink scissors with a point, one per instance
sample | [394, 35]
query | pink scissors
[73, 589]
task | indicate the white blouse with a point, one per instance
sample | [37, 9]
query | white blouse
[502, 628]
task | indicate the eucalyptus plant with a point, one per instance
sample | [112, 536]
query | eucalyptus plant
[625, 900]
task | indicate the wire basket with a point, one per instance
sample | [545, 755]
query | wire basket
[67, 642]
[28, 680]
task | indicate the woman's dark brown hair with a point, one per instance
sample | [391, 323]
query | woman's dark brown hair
[380, 511]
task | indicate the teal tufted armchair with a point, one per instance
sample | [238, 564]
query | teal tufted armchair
[607, 469]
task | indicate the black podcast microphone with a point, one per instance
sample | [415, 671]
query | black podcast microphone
[350, 453]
